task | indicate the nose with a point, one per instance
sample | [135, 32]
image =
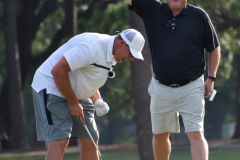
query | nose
[132, 58]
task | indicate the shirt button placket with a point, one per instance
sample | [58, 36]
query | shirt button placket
[173, 23]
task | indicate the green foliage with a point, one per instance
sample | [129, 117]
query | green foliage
[216, 6]
[229, 47]
[46, 31]
[114, 18]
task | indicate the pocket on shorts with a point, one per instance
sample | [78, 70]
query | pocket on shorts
[200, 85]
[150, 88]
[154, 88]
[47, 112]
[57, 106]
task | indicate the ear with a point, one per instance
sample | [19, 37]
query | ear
[122, 42]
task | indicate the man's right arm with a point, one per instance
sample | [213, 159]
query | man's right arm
[62, 81]
[129, 1]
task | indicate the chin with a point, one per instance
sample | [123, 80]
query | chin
[119, 61]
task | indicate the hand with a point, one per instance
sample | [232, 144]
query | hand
[101, 107]
[208, 88]
[77, 111]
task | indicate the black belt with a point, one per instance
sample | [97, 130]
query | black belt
[174, 84]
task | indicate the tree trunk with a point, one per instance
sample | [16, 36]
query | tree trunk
[141, 75]
[18, 138]
[70, 28]
[237, 128]
[5, 112]
[70, 24]
[24, 36]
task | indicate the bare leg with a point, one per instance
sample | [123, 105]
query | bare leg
[88, 150]
[199, 146]
[56, 149]
[161, 146]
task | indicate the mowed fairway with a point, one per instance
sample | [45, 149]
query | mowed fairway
[179, 154]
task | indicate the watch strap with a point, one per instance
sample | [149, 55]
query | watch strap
[213, 78]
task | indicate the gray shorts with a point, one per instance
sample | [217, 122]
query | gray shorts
[54, 121]
[167, 103]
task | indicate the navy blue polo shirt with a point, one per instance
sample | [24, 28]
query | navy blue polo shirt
[176, 43]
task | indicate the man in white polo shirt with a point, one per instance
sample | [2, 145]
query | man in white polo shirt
[65, 88]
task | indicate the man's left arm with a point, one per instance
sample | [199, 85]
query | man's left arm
[95, 96]
[214, 58]
[100, 106]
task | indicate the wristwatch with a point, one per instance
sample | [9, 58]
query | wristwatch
[213, 78]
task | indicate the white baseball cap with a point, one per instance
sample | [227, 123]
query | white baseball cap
[135, 41]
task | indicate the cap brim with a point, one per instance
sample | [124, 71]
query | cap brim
[136, 54]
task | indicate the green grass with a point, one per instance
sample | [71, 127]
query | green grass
[181, 154]
[214, 154]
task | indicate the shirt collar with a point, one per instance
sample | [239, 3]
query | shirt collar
[110, 57]
[114, 62]
[184, 11]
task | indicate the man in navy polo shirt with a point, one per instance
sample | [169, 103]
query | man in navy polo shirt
[178, 33]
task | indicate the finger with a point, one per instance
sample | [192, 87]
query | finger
[102, 109]
[106, 110]
[100, 112]
[97, 111]
[83, 120]
[207, 95]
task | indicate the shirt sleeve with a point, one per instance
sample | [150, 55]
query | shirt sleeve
[79, 56]
[142, 7]
[211, 40]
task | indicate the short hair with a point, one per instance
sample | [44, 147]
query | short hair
[119, 36]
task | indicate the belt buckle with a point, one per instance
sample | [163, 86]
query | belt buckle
[174, 85]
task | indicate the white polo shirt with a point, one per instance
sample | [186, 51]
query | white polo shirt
[80, 52]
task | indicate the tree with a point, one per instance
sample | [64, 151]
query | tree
[29, 17]
[227, 21]
[15, 94]
[237, 130]
[141, 76]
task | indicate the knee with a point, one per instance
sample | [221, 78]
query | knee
[161, 137]
[88, 143]
[60, 145]
[195, 136]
